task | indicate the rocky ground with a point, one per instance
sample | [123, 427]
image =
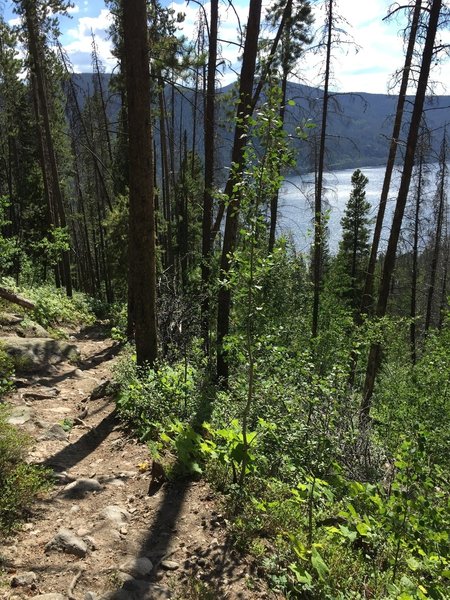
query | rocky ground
[98, 535]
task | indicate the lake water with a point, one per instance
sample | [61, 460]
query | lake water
[297, 199]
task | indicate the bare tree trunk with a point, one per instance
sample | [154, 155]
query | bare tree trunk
[438, 234]
[237, 159]
[374, 361]
[413, 306]
[209, 146]
[318, 225]
[141, 242]
[366, 299]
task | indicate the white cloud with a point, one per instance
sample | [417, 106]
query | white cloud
[73, 9]
[78, 41]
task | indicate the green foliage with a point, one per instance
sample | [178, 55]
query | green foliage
[10, 247]
[351, 260]
[19, 481]
[6, 371]
[54, 308]
[52, 247]
[149, 399]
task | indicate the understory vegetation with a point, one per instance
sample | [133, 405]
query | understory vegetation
[328, 511]
[309, 384]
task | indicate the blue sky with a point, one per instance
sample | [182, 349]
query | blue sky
[366, 70]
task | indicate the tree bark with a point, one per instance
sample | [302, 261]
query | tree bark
[318, 225]
[244, 110]
[438, 234]
[15, 299]
[389, 262]
[366, 299]
[142, 255]
[209, 145]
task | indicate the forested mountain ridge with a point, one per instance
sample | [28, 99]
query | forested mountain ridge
[359, 123]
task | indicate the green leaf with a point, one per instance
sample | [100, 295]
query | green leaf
[363, 529]
[319, 564]
[413, 563]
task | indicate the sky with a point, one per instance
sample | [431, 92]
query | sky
[366, 66]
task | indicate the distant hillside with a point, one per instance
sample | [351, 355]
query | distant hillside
[359, 124]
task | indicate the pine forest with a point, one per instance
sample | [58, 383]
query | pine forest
[272, 418]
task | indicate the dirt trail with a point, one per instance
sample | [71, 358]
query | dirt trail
[98, 535]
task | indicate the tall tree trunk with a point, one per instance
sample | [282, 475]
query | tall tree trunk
[237, 160]
[374, 361]
[318, 225]
[209, 146]
[366, 299]
[438, 234]
[415, 252]
[285, 67]
[141, 242]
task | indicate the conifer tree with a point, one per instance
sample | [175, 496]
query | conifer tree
[354, 246]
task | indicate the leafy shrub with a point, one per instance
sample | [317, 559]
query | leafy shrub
[152, 398]
[19, 481]
[6, 371]
[53, 307]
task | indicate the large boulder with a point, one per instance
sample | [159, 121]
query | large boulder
[34, 355]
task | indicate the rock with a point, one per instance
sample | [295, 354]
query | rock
[51, 596]
[19, 415]
[26, 578]
[107, 388]
[63, 478]
[91, 542]
[56, 432]
[33, 355]
[145, 590]
[170, 565]
[81, 487]
[8, 319]
[116, 514]
[67, 542]
[44, 393]
[138, 567]
[90, 596]
[119, 595]
[30, 329]
[123, 577]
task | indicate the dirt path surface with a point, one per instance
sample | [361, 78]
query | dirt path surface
[98, 535]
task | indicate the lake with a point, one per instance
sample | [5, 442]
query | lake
[297, 198]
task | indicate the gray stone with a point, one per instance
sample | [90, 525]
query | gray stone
[81, 486]
[19, 415]
[56, 432]
[26, 578]
[107, 388]
[34, 355]
[30, 329]
[145, 590]
[90, 596]
[170, 565]
[138, 567]
[44, 393]
[115, 514]
[68, 542]
[119, 595]
[7, 319]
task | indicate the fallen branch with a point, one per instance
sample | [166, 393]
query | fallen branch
[11, 297]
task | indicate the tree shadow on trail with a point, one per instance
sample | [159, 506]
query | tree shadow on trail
[74, 453]
[163, 529]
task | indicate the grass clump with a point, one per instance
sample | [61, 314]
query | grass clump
[19, 481]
